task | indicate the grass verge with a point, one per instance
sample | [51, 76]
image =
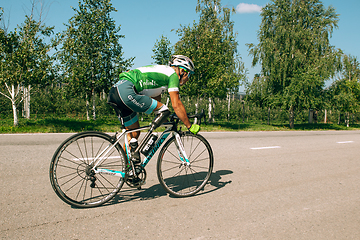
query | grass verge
[111, 124]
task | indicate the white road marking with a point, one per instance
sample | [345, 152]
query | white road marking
[259, 148]
[346, 142]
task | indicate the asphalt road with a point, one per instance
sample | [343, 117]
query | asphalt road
[265, 185]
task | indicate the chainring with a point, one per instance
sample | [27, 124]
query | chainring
[137, 180]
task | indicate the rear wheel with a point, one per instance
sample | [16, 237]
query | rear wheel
[71, 170]
[176, 176]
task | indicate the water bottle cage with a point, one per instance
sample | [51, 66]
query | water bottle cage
[149, 145]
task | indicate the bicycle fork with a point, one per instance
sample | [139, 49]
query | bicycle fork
[181, 150]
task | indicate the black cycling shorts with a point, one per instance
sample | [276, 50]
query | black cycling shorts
[127, 102]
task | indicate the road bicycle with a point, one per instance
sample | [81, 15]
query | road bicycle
[88, 169]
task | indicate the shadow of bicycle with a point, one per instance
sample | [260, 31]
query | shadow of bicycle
[215, 182]
[130, 194]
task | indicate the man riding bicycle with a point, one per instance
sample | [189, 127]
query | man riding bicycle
[140, 90]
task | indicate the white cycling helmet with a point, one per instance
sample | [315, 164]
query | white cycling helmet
[182, 61]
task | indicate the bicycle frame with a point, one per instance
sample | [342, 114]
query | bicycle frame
[164, 135]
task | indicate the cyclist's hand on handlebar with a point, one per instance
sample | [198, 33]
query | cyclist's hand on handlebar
[194, 128]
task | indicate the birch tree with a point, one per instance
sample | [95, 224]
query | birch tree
[295, 52]
[345, 91]
[24, 61]
[91, 55]
[211, 44]
[162, 51]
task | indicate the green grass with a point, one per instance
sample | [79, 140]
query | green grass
[251, 126]
[111, 124]
[59, 125]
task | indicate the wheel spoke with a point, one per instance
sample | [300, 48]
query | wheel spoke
[71, 171]
[178, 178]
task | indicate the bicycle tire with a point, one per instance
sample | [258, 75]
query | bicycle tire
[174, 176]
[70, 168]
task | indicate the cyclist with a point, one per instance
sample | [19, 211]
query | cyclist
[140, 90]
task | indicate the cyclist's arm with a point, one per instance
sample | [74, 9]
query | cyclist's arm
[179, 108]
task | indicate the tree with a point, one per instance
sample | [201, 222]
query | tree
[295, 52]
[91, 55]
[212, 46]
[24, 61]
[258, 93]
[345, 91]
[162, 51]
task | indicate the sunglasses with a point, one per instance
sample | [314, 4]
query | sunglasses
[187, 71]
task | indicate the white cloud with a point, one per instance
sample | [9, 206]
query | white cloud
[248, 8]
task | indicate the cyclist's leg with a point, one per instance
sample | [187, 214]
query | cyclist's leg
[162, 113]
[133, 134]
[141, 103]
[127, 116]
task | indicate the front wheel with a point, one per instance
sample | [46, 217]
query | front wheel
[71, 170]
[179, 177]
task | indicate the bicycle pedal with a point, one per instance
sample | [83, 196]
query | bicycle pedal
[136, 161]
[136, 158]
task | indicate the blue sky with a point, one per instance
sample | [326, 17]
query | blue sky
[144, 21]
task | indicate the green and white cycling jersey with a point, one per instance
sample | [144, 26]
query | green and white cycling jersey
[153, 80]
